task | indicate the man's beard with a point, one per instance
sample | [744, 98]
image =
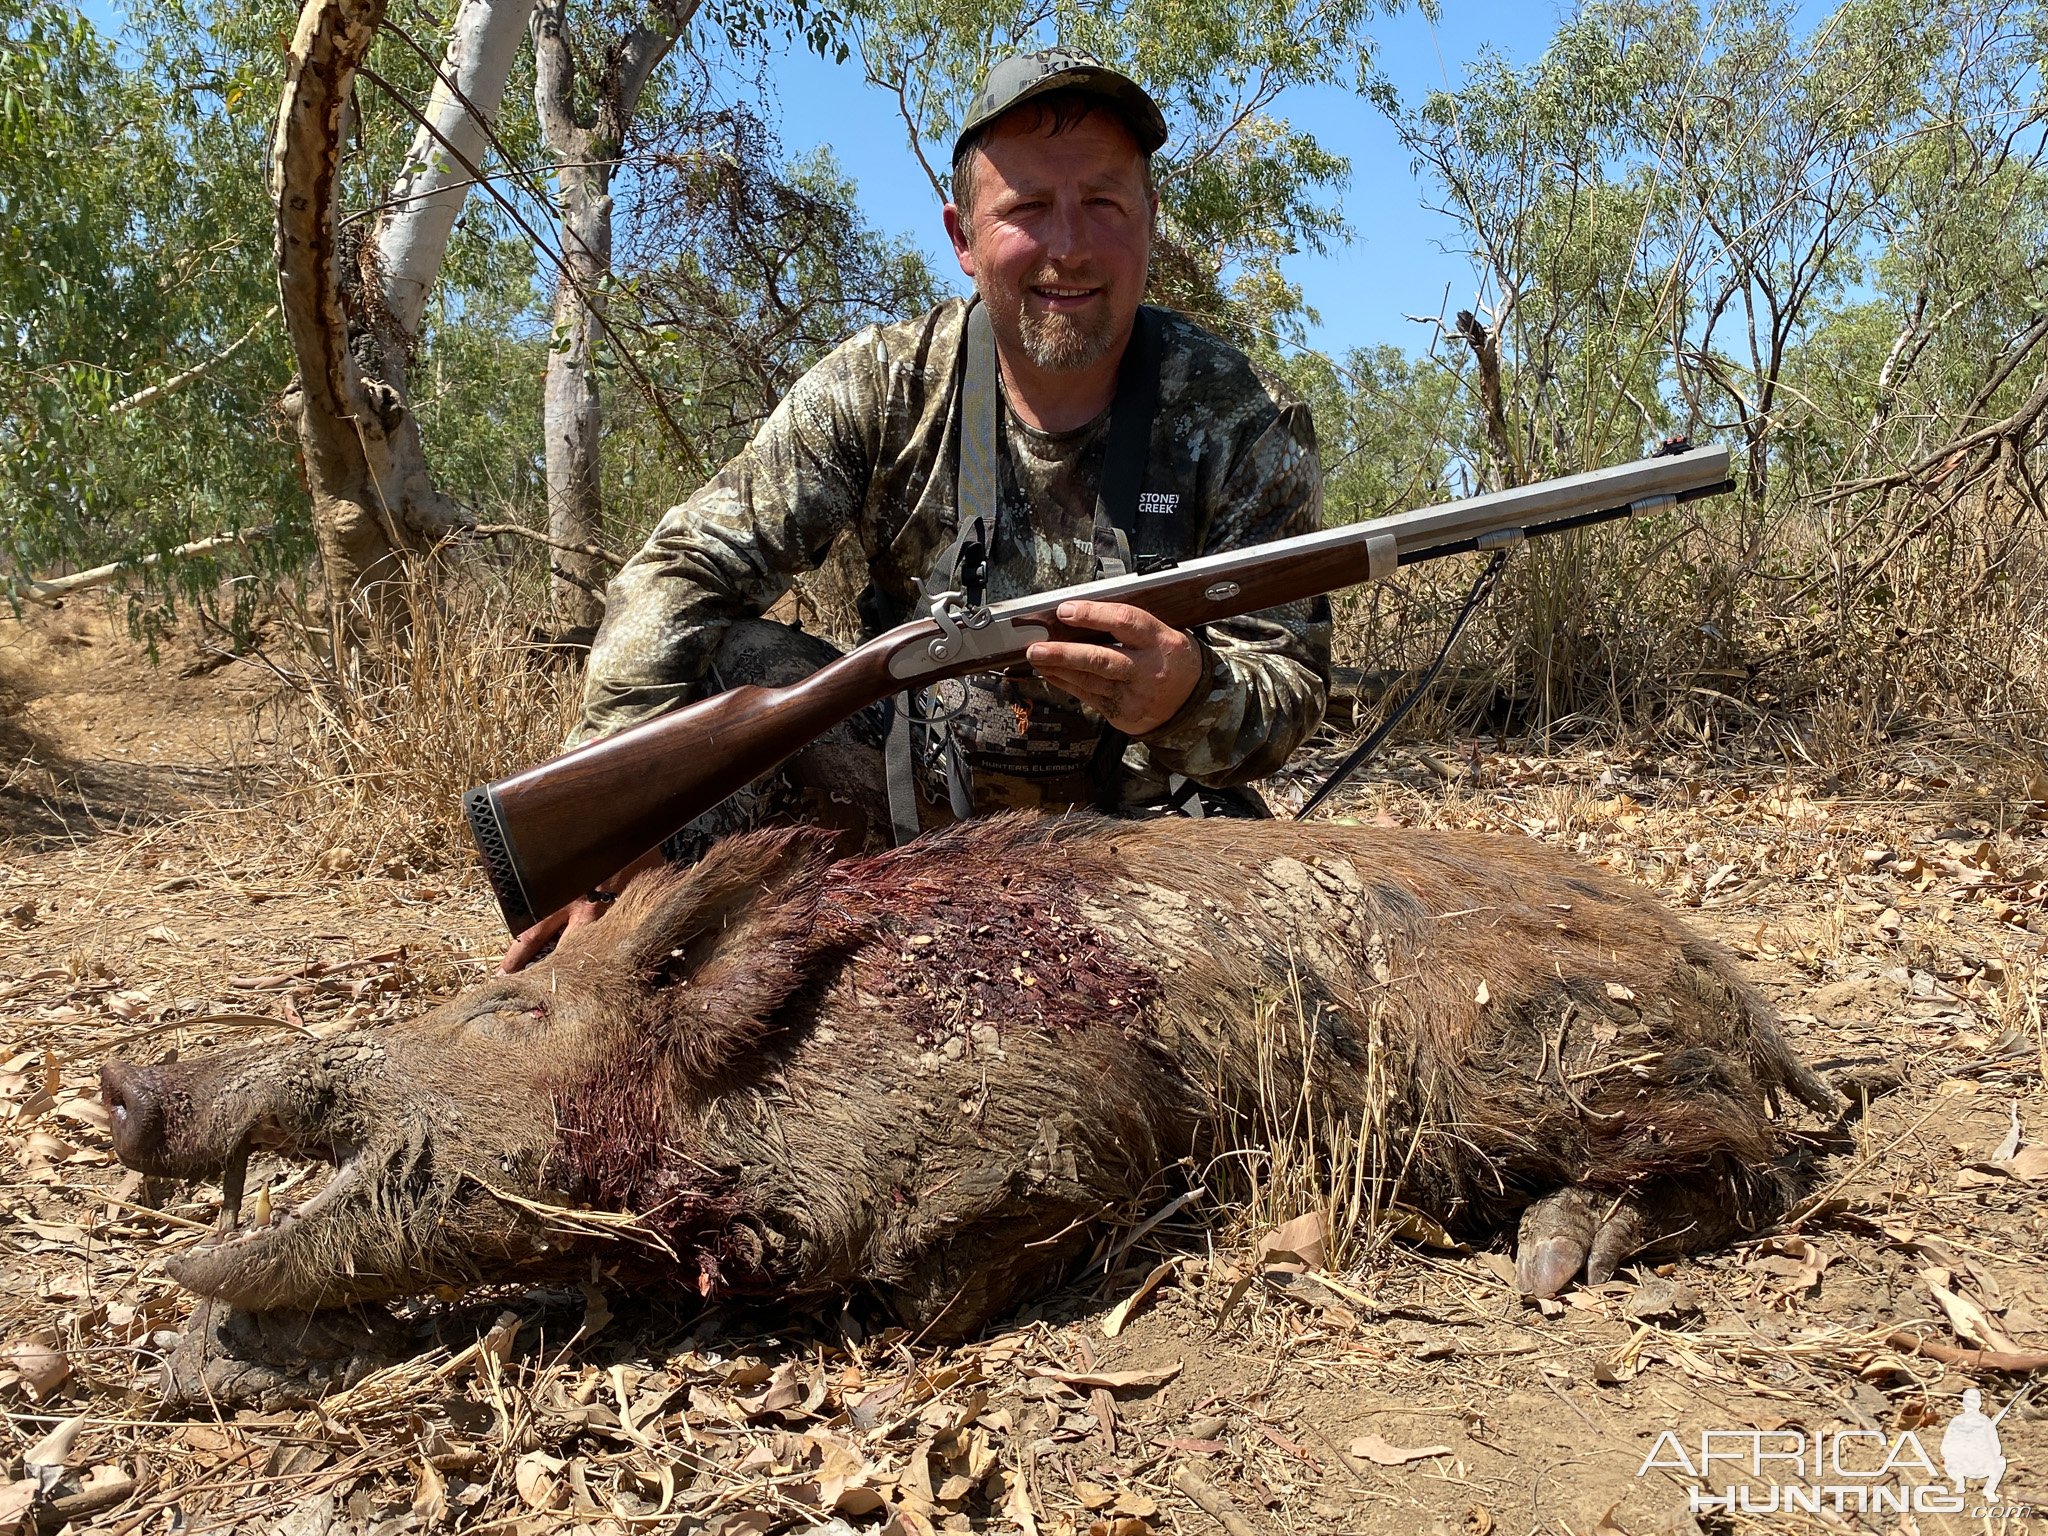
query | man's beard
[1067, 343]
[1061, 343]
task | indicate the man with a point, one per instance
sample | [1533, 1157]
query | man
[1052, 217]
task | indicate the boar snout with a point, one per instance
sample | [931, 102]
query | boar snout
[134, 1096]
[189, 1120]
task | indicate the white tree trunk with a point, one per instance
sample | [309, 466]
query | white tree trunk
[413, 237]
[584, 154]
[573, 410]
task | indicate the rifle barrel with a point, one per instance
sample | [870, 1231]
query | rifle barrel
[1427, 532]
[551, 832]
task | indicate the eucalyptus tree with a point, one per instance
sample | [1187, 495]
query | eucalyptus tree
[1388, 430]
[1820, 234]
[1956, 289]
[585, 113]
[738, 269]
[136, 345]
[1663, 209]
[745, 268]
[598, 65]
[1922, 416]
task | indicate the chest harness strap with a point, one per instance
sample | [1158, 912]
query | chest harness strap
[1123, 539]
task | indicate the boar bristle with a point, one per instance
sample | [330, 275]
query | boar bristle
[901, 920]
[1517, 1023]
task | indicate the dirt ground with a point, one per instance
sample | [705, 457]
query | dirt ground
[153, 897]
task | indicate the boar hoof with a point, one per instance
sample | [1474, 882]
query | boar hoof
[1571, 1230]
[1551, 1245]
[1623, 1231]
[228, 1358]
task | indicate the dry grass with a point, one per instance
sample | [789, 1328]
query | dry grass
[376, 752]
[1283, 1152]
[1671, 634]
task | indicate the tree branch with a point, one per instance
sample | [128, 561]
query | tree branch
[192, 375]
[554, 84]
[519, 530]
[54, 589]
[642, 55]
[684, 443]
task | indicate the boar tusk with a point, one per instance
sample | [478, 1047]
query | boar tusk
[231, 1181]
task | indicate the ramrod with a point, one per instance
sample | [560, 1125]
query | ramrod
[926, 1075]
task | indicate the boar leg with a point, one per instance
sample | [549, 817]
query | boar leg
[228, 1358]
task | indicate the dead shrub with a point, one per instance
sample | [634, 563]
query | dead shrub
[377, 750]
[1830, 652]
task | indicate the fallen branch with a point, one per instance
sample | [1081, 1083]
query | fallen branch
[1212, 1502]
[57, 588]
[1974, 1359]
[51, 1515]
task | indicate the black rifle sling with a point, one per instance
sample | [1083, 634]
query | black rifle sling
[975, 522]
[1362, 753]
[1123, 537]
[1127, 531]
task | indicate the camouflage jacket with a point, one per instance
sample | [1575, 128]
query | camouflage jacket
[867, 440]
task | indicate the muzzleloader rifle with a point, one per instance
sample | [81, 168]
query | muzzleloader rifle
[552, 832]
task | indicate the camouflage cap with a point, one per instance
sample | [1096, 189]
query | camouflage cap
[1015, 80]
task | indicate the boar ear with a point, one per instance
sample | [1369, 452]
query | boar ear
[756, 883]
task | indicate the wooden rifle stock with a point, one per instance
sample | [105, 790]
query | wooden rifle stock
[552, 832]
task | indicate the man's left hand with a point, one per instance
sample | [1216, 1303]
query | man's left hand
[1137, 684]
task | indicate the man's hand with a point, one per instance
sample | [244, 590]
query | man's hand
[1139, 683]
[530, 945]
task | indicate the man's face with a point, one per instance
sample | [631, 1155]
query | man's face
[1058, 237]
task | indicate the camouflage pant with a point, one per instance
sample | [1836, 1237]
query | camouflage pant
[840, 779]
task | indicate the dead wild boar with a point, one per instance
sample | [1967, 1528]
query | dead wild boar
[927, 1074]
